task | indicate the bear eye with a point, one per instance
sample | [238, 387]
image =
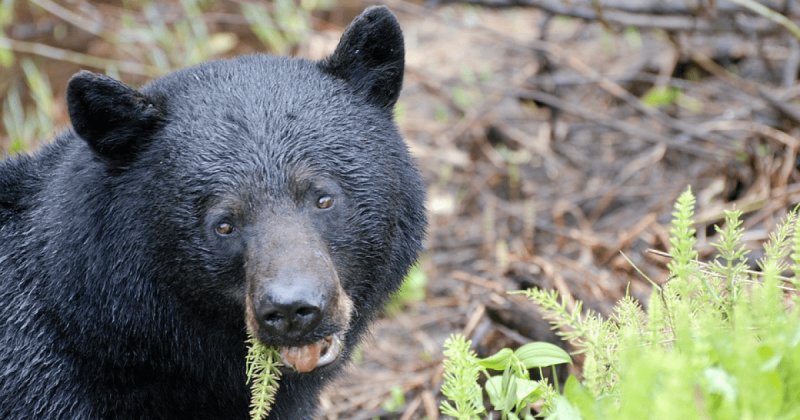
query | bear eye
[224, 228]
[325, 202]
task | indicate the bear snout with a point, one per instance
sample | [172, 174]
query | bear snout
[292, 307]
[299, 305]
[294, 295]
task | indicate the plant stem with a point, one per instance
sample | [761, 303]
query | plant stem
[771, 15]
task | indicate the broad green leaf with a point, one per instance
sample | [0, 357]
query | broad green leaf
[540, 354]
[502, 391]
[528, 392]
[525, 391]
[498, 361]
[494, 387]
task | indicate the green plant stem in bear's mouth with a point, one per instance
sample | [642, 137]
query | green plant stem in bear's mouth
[310, 356]
[262, 375]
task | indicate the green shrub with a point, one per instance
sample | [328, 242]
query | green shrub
[716, 342]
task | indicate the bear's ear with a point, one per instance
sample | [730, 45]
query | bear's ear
[114, 119]
[371, 56]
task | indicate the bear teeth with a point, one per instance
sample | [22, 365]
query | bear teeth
[331, 349]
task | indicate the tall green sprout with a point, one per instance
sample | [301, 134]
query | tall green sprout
[461, 373]
[682, 238]
[262, 375]
[731, 263]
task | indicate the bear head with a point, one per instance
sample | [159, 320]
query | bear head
[274, 194]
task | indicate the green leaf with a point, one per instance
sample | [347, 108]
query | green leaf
[540, 354]
[498, 361]
[528, 391]
[518, 392]
[509, 391]
[494, 387]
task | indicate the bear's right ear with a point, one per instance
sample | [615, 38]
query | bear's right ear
[114, 119]
[371, 56]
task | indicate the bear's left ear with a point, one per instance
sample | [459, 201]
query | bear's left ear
[371, 56]
[114, 119]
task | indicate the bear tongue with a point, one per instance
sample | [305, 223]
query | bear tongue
[303, 358]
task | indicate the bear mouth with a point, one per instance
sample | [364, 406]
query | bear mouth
[311, 356]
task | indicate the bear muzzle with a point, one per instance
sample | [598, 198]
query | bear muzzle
[299, 306]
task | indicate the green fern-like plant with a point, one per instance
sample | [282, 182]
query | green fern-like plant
[716, 342]
[588, 332]
[262, 375]
[461, 372]
[682, 238]
[731, 263]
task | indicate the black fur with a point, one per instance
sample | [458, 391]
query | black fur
[371, 57]
[114, 119]
[117, 298]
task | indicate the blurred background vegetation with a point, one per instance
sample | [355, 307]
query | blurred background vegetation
[43, 42]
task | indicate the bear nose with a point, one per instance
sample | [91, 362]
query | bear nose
[290, 311]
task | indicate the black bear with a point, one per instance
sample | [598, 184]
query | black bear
[260, 192]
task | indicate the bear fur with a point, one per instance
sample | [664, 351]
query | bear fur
[259, 193]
